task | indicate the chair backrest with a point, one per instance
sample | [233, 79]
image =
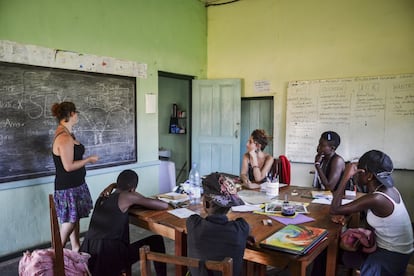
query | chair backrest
[281, 169]
[58, 264]
[146, 256]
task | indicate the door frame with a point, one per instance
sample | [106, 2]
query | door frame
[243, 127]
[189, 80]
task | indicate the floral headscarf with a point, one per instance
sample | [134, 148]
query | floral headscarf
[222, 190]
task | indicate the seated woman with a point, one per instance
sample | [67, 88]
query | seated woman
[328, 164]
[386, 213]
[215, 237]
[107, 240]
[256, 164]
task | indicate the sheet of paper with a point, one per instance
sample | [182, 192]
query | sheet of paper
[329, 201]
[246, 208]
[182, 212]
[298, 219]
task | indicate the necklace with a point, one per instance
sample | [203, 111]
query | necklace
[378, 187]
[67, 130]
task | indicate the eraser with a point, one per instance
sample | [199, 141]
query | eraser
[267, 222]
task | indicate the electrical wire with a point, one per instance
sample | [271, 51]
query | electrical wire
[209, 3]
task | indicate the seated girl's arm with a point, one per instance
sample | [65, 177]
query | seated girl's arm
[368, 201]
[150, 203]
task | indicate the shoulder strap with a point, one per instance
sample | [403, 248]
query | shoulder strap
[54, 139]
[387, 196]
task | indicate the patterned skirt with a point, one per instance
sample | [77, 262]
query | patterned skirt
[73, 204]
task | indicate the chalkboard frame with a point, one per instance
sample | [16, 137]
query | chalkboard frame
[115, 146]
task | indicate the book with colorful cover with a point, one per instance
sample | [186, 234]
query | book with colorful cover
[295, 239]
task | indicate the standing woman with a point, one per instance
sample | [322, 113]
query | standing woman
[387, 215]
[329, 166]
[72, 197]
[256, 164]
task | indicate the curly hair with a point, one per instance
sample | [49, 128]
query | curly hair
[259, 136]
[63, 110]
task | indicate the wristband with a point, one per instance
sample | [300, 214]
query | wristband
[317, 163]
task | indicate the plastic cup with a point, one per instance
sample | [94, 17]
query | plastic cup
[272, 188]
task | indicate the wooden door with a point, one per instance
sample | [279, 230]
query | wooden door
[256, 113]
[215, 143]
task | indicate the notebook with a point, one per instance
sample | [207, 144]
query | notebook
[295, 239]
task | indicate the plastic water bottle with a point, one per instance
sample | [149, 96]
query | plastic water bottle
[195, 190]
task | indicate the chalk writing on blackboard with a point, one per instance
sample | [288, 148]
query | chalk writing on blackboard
[107, 119]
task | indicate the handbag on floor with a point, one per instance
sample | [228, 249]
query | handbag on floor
[358, 239]
[40, 262]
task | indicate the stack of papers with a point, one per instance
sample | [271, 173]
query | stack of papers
[176, 200]
[173, 196]
[322, 194]
[254, 197]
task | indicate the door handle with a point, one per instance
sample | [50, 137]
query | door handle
[236, 134]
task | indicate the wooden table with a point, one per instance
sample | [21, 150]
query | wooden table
[167, 225]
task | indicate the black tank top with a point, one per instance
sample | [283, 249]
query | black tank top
[326, 168]
[108, 222]
[65, 180]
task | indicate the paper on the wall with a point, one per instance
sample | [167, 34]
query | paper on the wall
[150, 103]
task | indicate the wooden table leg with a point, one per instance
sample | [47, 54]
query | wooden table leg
[298, 268]
[254, 269]
[332, 256]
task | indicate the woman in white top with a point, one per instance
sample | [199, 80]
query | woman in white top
[386, 213]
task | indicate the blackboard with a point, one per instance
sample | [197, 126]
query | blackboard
[107, 119]
[367, 112]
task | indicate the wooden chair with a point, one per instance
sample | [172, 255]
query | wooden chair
[59, 264]
[281, 164]
[146, 256]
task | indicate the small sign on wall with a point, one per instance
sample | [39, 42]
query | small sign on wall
[262, 86]
[150, 103]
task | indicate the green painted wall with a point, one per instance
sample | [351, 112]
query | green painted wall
[168, 35]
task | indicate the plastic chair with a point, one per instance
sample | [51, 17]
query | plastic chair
[146, 256]
[59, 263]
